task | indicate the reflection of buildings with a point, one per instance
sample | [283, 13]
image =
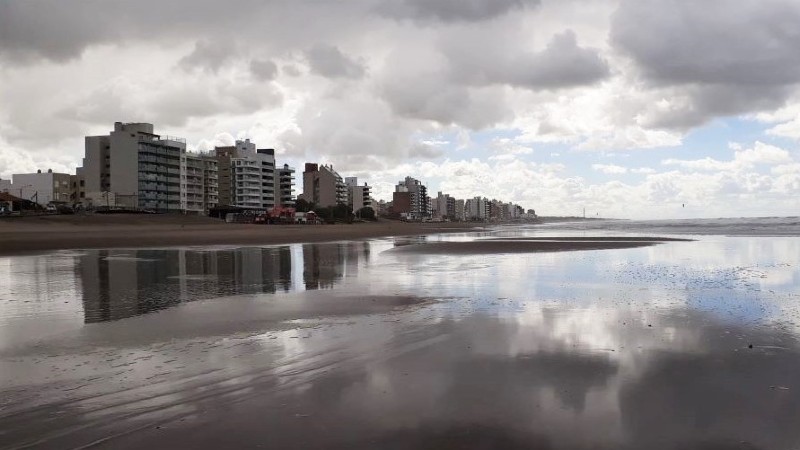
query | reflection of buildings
[326, 264]
[121, 284]
[117, 284]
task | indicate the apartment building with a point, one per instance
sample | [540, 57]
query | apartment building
[249, 179]
[358, 197]
[323, 186]
[199, 183]
[284, 181]
[419, 204]
[139, 168]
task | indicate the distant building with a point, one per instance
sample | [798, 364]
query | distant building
[284, 181]
[323, 186]
[477, 209]
[458, 209]
[444, 207]
[419, 203]
[358, 197]
[41, 187]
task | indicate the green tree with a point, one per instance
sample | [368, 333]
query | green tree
[303, 205]
[366, 213]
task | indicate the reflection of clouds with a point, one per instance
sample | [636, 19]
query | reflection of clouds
[379, 383]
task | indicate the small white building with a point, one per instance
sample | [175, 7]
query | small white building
[41, 187]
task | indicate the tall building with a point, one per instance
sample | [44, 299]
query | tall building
[139, 168]
[284, 182]
[358, 197]
[444, 206]
[420, 204]
[322, 186]
[459, 210]
[253, 178]
[224, 155]
[199, 183]
[248, 177]
[477, 209]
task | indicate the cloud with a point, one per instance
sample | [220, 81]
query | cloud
[208, 55]
[58, 31]
[760, 154]
[726, 59]
[328, 61]
[452, 10]
[609, 169]
[506, 59]
[679, 41]
[263, 69]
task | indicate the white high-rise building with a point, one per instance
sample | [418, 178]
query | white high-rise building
[140, 169]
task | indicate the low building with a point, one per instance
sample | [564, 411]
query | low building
[42, 187]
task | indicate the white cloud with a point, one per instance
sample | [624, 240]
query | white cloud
[544, 72]
[609, 169]
[760, 154]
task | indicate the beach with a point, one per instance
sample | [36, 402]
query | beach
[505, 337]
[60, 232]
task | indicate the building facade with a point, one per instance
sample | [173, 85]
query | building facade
[419, 202]
[42, 187]
[139, 168]
[323, 186]
[358, 197]
[249, 179]
[199, 183]
[284, 181]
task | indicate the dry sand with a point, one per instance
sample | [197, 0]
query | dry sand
[42, 233]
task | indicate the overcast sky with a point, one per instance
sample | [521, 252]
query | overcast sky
[632, 108]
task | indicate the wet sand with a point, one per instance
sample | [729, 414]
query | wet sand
[531, 245]
[43, 233]
[353, 345]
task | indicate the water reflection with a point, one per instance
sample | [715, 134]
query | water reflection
[367, 348]
[117, 284]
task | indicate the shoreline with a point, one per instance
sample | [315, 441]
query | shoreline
[52, 233]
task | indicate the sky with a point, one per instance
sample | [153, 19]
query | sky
[642, 109]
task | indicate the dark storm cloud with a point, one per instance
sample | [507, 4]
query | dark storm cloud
[561, 64]
[680, 41]
[452, 10]
[208, 55]
[263, 69]
[728, 58]
[330, 62]
[59, 30]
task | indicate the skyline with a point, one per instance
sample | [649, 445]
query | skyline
[612, 106]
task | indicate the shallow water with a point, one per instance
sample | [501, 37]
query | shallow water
[348, 345]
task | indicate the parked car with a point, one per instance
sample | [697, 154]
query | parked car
[51, 209]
